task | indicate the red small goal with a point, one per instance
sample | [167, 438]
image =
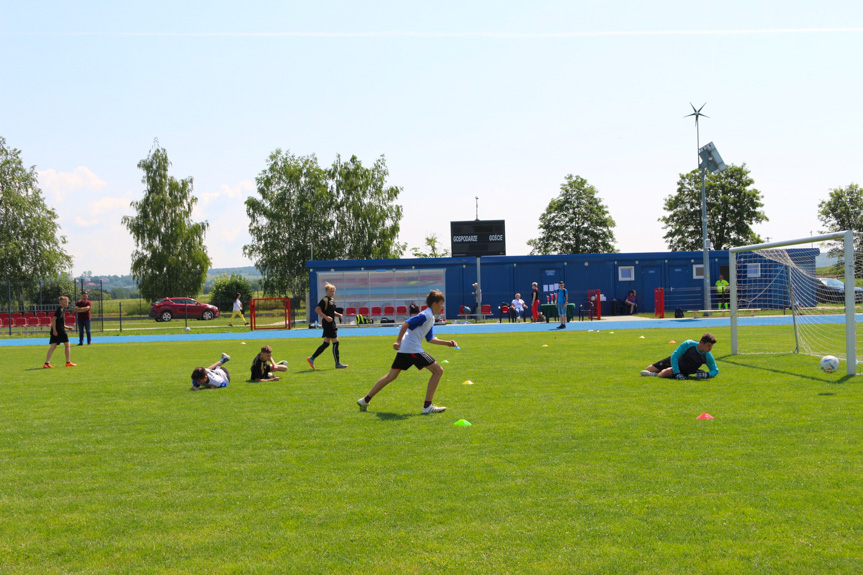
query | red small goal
[270, 313]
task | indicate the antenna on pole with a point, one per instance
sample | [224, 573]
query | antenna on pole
[477, 207]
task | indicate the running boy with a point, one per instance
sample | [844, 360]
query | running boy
[263, 366]
[686, 359]
[326, 310]
[408, 346]
[59, 335]
[212, 377]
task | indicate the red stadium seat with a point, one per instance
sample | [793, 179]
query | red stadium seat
[363, 311]
[485, 310]
[28, 314]
[350, 311]
[17, 315]
[464, 311]
[389, 310]
[32, 321]
[376, 311]
[401, 310]
[41, 314]
[3, 321]
[20, 322]
[45, 321]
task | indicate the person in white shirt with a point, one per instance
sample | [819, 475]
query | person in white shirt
[238, 312]
[408, 346]
[518, 307]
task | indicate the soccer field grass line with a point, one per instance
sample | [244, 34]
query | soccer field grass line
[450, 329]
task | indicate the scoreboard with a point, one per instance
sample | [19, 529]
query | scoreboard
[478, 238]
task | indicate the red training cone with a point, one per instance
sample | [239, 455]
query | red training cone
[704, 416]
[672, 341]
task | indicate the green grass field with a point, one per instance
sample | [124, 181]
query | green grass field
[573, 463]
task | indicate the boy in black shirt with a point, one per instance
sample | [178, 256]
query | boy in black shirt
[326, 310]
[263, 366]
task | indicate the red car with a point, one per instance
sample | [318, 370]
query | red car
[170, 307]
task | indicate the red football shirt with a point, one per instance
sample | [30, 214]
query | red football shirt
[83, 315]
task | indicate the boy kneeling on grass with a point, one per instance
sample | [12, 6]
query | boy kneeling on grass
[212, 377]
[686, 359]
[410, 352]
[263, 366]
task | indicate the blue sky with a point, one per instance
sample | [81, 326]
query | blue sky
[499, 100]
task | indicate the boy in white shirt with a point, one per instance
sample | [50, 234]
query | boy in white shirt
[212, 377]
[408, 346]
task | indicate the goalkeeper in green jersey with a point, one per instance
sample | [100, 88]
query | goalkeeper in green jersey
[686, 360]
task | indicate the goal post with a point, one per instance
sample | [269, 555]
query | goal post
[781, 276]
[270, 313]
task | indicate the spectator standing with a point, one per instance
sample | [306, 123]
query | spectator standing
[82, 309]
[59, 335]
[722, 287]
[534, 302]
[562, 302]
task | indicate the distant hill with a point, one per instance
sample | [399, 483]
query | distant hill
[251, 273]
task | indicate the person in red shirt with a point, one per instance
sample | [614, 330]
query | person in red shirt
[82, 308]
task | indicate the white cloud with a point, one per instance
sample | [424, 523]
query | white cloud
[85, 223]
[61, 183]
[109, 204]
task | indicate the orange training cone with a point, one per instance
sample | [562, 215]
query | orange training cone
[672, 341]
[704, 416]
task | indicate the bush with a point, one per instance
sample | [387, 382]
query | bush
[225, 289]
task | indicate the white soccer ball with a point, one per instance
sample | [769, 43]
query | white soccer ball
[188, 329]
[829, 364]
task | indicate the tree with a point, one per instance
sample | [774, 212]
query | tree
[435, 249]
[733, 206]
[226, 288]
[842, 211]
[31, 247]
[366, 215]
[575, 222]
[345, 212]
[170, 258]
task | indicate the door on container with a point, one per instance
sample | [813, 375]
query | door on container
[651, 278]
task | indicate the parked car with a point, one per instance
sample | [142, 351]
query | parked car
[831, 290]
[170, 307]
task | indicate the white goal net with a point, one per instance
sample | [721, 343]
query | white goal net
[791, 284]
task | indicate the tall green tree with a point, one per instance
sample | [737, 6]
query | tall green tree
[434, 248]
[575, 222]
[31, 246]
[170, 258]
[366, 215]
[225, 290]
[303, 211]
[841, 211]
[733, 207]
[291, 218]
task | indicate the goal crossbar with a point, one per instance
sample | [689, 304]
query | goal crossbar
[850, 314]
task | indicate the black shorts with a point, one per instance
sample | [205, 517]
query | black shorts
[406, 360]
[61, 337]
[330, 330]
[686, 368]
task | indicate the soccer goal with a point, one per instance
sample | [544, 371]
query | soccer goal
[777, 284]
[270, 313]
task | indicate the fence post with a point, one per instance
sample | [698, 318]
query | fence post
[186, 313]
[121, 317]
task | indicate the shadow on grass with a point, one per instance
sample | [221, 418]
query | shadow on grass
[386, 416]
[842, 379]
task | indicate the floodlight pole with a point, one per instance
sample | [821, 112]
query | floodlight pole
[706, 242]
